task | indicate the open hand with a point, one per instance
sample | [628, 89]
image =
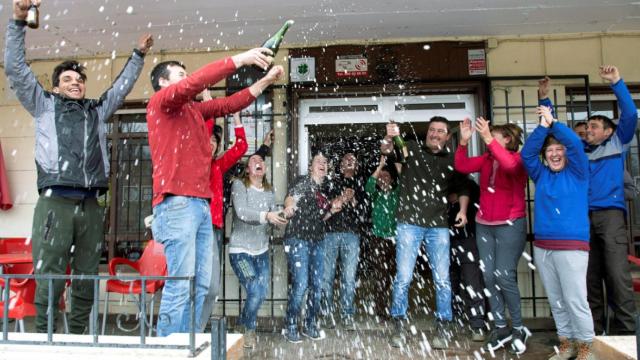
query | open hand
[483, 128]
[465, 131]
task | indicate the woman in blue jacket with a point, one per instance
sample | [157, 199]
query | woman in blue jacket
[561, 245]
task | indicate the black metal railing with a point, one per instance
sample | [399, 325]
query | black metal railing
[218, 329]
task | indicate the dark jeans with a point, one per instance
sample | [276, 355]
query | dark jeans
[305, 261]
[500, 248]
[66, 232]
[253, 273]
[608, 263]
[466, 281]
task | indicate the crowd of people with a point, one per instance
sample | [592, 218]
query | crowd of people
[477, 232]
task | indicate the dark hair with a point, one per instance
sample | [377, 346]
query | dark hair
[393, 172]
[512, 131]
[162, 71]
[579, 123]
[607, 123]
[65, 66]
[439, 119]
[218, 137]
[548, 141]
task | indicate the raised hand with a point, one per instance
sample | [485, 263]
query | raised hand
[393, 129]
[483, 128]
[206, 95]
[544, 112]
[544, 87]
[145, 43]
[268, 138]
[465, 131]
[274, 74]
[383, 162]
[21, 7]
[261, 57]
[237, 121]
[610, 73]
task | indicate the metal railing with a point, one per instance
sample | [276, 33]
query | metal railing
[218, 329]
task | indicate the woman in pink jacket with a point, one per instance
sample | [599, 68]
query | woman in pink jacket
[500, 223]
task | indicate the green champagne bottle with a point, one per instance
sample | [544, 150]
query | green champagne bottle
[273, 43]
[400, 148]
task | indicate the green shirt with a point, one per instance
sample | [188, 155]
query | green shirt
[385, 204]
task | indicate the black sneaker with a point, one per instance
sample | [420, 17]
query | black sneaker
[441, 339]
[519, 341]
[397, 339]
[498, 337]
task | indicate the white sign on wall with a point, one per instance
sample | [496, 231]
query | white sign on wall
[303, 69]
[477, 62]
[351, 65]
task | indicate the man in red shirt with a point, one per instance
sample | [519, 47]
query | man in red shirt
[181, 158]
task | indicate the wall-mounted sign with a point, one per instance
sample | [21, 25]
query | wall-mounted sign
[477, 62]
[302, 69]
[351, 65]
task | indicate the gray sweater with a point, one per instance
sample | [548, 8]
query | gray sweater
[249, 235]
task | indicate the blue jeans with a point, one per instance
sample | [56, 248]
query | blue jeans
[305, 261]
[436, 241]
[347, 247]
[253, 273]
[214, 286]
[183, 225]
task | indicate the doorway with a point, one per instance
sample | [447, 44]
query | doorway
[340, 125]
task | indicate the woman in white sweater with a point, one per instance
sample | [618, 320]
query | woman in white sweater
[253, 211]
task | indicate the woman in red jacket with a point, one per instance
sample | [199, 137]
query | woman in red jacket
[219, 165]
[500, 223]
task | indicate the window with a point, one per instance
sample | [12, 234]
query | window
[130, 184]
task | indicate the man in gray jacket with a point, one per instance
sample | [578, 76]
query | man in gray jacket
[72, 166]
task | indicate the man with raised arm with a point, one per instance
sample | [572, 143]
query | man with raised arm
[181, 158]
[72, 164]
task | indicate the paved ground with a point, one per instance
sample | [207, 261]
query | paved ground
[371, 342]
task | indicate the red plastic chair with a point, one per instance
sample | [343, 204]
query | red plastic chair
[22, 296]
[636, 282]
[151, 263]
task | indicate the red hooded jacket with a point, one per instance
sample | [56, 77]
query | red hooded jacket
[502, 194]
